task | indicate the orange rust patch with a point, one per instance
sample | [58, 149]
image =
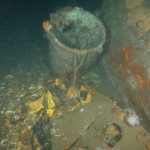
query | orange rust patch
[115, 110]
[87, 53]
[127, 54]
[122, 58]
[94, 92]
[7, 122]
[144, 99]
[147, 82]
[122, 75]
[138, 72]
[140, 80]
[71, 121]
[67, 147]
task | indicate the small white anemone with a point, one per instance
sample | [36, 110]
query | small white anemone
[82, 109]
[133, 120]
[99, 107]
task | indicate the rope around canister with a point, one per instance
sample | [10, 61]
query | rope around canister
[75, 64]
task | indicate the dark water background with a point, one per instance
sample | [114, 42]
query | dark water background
[22, 41]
